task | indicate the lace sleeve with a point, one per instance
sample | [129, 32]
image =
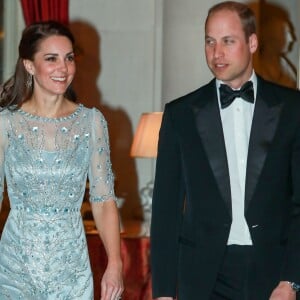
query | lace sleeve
[100, 174]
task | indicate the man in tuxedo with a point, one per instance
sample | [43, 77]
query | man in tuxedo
[226, 201]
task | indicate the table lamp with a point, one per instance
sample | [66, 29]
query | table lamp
[145, 146]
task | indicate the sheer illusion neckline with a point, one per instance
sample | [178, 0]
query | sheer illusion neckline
[47, 119]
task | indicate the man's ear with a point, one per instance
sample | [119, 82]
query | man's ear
[253, 42]
[28, 66]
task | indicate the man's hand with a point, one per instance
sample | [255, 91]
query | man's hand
[283, 291]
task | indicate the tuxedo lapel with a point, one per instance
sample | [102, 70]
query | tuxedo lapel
[264, 124]
[209, 126]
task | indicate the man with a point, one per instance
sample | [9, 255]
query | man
[226, 202]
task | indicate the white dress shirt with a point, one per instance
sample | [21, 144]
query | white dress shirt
[236, 122]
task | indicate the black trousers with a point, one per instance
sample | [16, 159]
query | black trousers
[234, 275]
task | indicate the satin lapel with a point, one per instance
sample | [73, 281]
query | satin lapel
[264, 124]
[209, 126]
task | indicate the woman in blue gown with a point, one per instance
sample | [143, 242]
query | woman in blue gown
[49, 146]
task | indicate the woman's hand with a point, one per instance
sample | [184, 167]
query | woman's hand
[112, 283]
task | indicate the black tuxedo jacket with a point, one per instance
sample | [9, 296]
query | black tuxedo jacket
[191, 216]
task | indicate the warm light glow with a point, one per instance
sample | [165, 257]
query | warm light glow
[146, 136]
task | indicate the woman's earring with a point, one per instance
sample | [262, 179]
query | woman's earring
[29, 81]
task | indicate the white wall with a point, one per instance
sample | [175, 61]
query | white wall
[123, 39]
[150, 52]
[184, 65]
[13, 26]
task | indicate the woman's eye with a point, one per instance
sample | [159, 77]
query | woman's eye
[50, 58]
[70, 58]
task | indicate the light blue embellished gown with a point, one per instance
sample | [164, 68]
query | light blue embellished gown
[43, 250]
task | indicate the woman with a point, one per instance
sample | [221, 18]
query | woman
[49, 145]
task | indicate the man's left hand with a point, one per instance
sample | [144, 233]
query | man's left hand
[283, 291]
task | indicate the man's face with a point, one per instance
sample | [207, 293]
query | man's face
[228, 53]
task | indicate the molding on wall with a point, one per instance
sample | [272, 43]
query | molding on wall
[13, 26]
[158, 44]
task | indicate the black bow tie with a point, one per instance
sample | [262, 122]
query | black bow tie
[227, 94]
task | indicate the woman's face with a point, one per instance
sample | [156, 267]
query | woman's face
[53, 66]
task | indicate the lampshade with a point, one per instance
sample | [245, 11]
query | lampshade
[146, 136]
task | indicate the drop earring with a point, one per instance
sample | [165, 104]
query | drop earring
[29, 81]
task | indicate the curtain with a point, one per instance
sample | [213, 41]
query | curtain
[44, 10]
